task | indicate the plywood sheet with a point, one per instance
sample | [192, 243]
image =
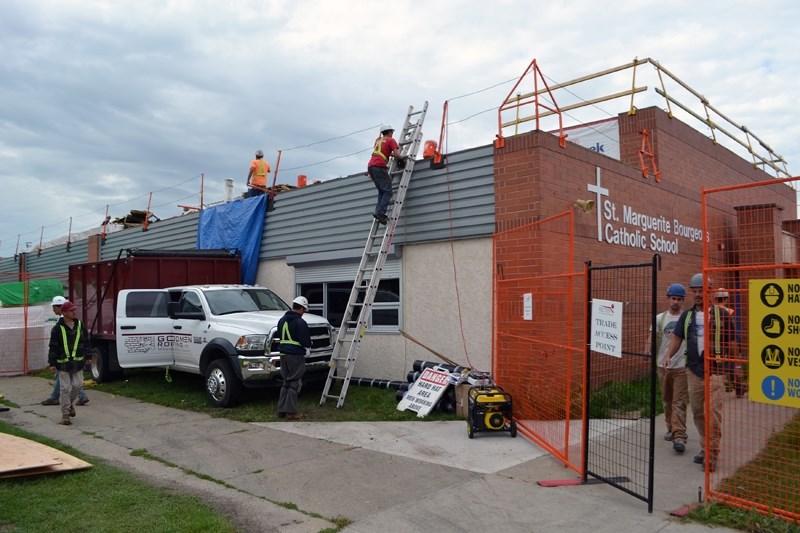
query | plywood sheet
[24, 457]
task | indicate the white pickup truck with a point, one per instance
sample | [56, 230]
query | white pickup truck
[226, 333]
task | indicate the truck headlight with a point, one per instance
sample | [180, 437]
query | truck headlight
[247, 343]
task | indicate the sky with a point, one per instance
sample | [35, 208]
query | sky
[108, 106]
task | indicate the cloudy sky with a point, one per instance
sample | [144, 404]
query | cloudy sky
[104, 102]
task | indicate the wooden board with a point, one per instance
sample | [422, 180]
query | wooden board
[23, 457]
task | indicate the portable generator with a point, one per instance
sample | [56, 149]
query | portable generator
[490, 409]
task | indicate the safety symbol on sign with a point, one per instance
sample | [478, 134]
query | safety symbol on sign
[772, 326]
[773, 388]
[772, 295]
[772, 356]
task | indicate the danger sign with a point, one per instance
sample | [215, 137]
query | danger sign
[425, 392]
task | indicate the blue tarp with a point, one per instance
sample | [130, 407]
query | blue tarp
[235, 226]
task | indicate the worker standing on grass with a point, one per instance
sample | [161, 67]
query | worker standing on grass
[257, 177]
[672, 378]
[53, 399]
[294, 346]
[378, 169]
[67, 350]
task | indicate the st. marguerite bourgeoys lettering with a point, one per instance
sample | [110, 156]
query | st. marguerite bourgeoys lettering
[633, 228]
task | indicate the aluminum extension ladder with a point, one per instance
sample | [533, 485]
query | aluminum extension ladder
[365, 286]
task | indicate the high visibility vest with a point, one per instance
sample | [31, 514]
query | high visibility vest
[286, 336]
[73, 354]
[377, 149]
[260, 173]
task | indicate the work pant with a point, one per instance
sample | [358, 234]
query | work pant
[674, 394]
[383, 182]
[716, 384]
[293, 366]
[56, 394]
[71, 386]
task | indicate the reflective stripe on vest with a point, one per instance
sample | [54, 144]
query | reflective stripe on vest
[377, 149]
[286, 337]
[261, 169]
[717, 333]
[66, 343]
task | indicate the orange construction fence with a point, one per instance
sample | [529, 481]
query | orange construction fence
[751, 267]
[25, 325]
[538, 340]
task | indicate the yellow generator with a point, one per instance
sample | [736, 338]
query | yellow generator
[490, 409]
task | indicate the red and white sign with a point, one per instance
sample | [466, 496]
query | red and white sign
[425, 392]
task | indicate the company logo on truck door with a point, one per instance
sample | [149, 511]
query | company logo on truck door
[146, 343]
[638, 230]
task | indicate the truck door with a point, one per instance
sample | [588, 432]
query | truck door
[144, 329]
[190, 333]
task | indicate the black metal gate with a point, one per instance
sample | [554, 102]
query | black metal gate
[621, 377]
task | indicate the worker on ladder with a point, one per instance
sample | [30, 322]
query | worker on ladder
[378, 169]
[257, 178]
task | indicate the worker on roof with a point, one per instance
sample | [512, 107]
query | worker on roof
[257, 178]
[378, 169]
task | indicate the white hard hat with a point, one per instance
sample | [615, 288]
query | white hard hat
[301, 300]
[721, 293]
[259, 153]
[386, 127]
[58, 300]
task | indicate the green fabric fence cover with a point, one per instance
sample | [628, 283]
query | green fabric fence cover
[39, 291]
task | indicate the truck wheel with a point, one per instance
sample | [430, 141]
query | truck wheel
[100, 367]
[222, 385]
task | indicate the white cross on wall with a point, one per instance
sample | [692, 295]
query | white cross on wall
[600, 191]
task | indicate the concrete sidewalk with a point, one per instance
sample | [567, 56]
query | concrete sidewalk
[385, 477]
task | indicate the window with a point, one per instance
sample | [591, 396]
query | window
[146, 304]
[329, 299]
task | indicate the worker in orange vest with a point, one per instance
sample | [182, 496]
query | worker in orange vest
[257, 178]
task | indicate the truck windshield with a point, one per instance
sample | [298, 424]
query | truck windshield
[229, 301]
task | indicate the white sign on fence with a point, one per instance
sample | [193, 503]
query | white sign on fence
[425, 392]
[606, 331]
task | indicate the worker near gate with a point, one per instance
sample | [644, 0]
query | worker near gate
[53, 399]
[672, 378]
[691, 328]
[294, 346]
[257, 177]
[378, 169]
[66, 354]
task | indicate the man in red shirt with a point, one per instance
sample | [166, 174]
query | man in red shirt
[257, 178]
[378, 169]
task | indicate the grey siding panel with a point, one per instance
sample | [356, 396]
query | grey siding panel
[9, 270]
[341, 272]
[336, 214]
[179, 233]
[56, 260]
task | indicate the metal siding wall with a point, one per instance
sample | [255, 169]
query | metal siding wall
[341, 272]
[335, 215]
[179, 233]
[55, 260]
[330, 216]
[9, 270]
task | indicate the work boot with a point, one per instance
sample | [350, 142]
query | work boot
[700, 457]
[679, 446]
[50, 401]
[65, 421]
[83, 401]
[71, 411]
[668, 436]
[380, 218]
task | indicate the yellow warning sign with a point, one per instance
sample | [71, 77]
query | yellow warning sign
[774, 330]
